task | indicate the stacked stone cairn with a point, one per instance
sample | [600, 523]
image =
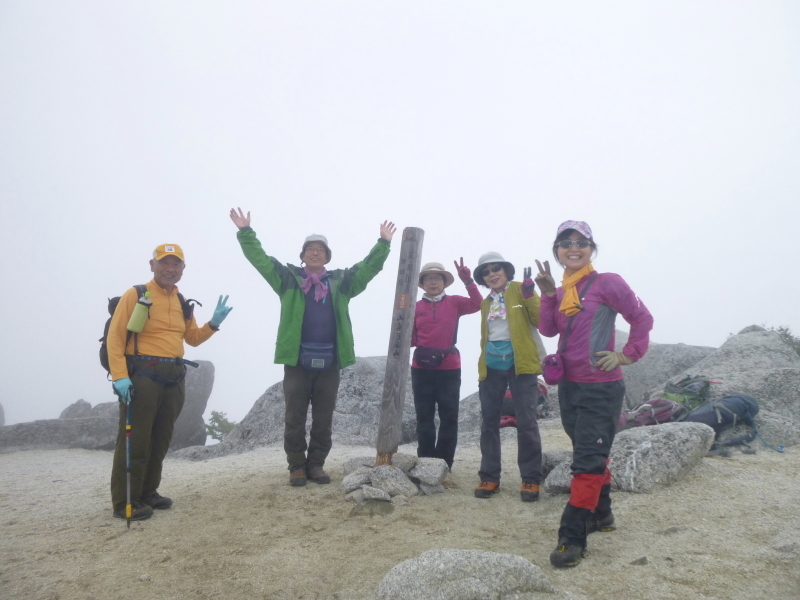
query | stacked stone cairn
[406, 477]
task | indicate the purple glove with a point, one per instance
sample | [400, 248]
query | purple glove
[464, 274]
[527, 283]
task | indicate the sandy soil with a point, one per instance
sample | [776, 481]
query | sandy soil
[729, 530]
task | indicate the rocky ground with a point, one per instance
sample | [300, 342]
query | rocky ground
[731, 530]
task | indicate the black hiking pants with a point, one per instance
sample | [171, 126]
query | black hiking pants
[436, 388]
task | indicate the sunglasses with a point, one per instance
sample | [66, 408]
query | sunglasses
[493, 269]
[569, 243]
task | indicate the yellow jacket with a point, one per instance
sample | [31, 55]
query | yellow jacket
[163, 334]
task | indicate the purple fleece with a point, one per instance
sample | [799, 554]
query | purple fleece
[593, 328]
[435, 323]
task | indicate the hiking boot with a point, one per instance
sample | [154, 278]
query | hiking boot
[603, 524]
[567, 555]
[529, 492]
[140, 512]
[157, 501]
[318, 475]
[486, 489]
[297, 477]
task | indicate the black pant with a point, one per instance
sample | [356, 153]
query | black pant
[302, 387]
[431, 388]
[589, 413]
[525, 391]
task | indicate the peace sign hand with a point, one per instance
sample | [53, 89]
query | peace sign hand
[545, 280]
[464, 273]
[527, 283]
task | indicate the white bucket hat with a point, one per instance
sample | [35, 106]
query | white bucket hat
[492, 257]
[434, 268]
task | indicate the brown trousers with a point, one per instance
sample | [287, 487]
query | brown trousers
[154, 409]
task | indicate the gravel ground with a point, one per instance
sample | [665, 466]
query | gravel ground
[731, 529]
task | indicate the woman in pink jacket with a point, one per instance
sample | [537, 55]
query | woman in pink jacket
[583, 312]
[436, 366]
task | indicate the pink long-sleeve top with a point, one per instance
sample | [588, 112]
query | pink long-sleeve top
[593, 328]
[435, 323]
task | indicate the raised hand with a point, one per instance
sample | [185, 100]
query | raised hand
[220, 312]
[545, 280]
[387, 230]
[611, 360]
[527, 283]
[239, 219]
[464, 273]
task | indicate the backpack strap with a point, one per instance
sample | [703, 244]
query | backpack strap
[585, 291]
[187, 306]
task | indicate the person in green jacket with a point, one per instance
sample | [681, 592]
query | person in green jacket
[315, 337]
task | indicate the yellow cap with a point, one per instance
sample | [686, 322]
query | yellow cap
[167, 249]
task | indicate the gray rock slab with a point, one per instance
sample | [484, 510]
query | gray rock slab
[761, 364]
[56, 434]
[80, 409]
[356, 479]
[355, 420]
[551, 459]
[356, 463]
[190, 428]
[643, 458]
[356, 496]
[371, 493]
[393, 481]
[404, 462]
[450, 574]
[429, 490]
[430, 471]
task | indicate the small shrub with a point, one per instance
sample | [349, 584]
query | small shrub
[218, 426]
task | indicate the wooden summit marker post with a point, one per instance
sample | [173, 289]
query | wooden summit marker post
[394, 383]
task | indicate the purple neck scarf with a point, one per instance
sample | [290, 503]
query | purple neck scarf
[320, 288]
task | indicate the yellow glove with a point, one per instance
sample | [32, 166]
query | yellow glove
[612, 360]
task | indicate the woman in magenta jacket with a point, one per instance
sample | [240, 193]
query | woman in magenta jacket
[436, 382]
[591, 392]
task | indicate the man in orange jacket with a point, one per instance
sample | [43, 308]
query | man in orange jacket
[148, 370]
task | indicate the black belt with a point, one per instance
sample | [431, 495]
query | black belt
[176, 361]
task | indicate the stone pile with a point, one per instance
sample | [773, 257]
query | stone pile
[406, 477]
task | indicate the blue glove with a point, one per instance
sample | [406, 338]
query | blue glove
[220, 312]
[123, 388]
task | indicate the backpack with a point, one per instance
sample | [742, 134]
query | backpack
[689, 391]
[652, 412]
[727, 412]
[186, 305]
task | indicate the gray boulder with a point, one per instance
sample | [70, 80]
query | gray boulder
[355, 420]
[644, 458]
[105, 409]
[56, 434]
[352, 481]
[450, 574]
[190, 428]
[661, 362]
[430, 471]
[81, 409]
[761, 364]
[393, 481]
[371, 493]
[356, 463]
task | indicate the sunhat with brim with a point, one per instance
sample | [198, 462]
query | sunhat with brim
[492, 257]
[316, 237]
[434, 268]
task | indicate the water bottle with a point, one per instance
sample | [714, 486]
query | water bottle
[139, 314]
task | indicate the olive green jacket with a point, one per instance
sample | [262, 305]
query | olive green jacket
[523, 317]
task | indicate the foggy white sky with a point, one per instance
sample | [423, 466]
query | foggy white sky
[672, 128]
